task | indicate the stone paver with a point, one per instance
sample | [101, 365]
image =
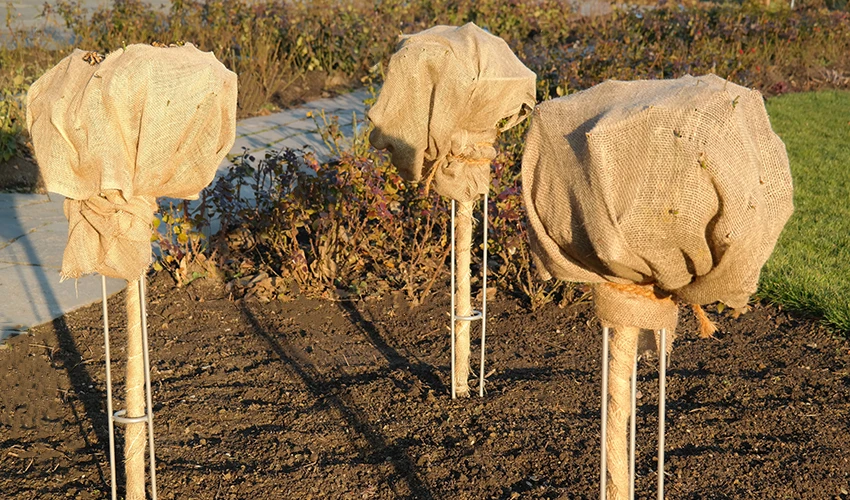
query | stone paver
[33, 229]
[294, 129]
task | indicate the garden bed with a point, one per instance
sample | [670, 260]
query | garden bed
[320, 399]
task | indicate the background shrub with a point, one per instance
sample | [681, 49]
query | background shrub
[350, 227]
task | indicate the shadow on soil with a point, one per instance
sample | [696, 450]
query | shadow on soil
[319, 388]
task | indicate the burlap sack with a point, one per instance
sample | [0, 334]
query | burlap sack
[678, 185]
[112, 136]
[446, 92]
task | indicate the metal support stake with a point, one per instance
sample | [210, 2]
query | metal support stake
[476, 314]
[662, 390]
[485, 216]
[118, 416]
[633, 432]
[454, 292]
[109, 393]
[603, 481]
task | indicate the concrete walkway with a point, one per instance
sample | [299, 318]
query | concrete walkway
[33, 228]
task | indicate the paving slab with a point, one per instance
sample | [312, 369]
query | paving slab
[28, 214]
[33, 233]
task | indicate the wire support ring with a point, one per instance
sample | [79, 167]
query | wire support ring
[121, 419]
[476, 315]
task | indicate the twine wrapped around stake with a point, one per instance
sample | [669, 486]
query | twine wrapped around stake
[134, 435]
[623, 348]
[463, 307]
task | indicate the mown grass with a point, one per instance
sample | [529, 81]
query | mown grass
[810, 268]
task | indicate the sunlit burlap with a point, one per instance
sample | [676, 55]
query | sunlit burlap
[681, 184]
[108, 236]
[145, 122]
[447, 92]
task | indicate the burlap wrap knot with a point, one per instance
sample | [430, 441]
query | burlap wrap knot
[446, 93]
[110, 237]
[634, 305]
[678, 185]
[143, 123]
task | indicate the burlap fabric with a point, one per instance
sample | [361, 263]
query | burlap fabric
[112, 136]
[446, 93]
[677, 185]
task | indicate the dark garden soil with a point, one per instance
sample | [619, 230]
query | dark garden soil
[20, 175]
[310, 399]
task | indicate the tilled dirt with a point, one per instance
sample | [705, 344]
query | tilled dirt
[316, 399]
[20, 175]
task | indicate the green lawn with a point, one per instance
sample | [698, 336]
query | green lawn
[810, 269]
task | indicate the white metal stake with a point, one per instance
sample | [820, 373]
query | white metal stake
[109, 393]
[603, 482]
[662, 389]
[454, 292]
[633, 432]
[485, 212]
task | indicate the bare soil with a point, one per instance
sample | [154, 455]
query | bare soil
[20, 175]
[317, 399]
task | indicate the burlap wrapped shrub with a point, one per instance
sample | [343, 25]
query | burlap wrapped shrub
[657, 191]
[112, 134]
[447, 92]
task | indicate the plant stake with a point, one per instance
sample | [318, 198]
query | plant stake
[462, 312]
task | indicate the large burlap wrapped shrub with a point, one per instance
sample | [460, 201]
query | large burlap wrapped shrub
[656, 190]
[113, 135]
[446, 93]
